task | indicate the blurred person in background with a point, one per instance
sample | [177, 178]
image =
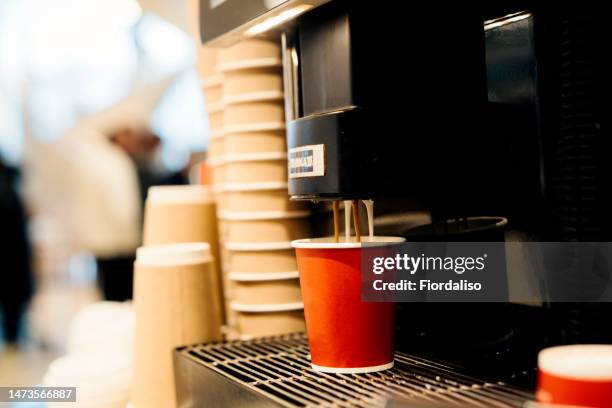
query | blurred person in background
[15, 270]
[108, 161]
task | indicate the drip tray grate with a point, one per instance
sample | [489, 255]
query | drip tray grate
[277, 370]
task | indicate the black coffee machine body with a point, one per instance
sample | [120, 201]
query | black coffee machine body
[459, 110]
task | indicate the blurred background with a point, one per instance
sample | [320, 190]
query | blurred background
[99, 99]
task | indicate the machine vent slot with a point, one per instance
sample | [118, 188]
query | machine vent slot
[278, 368]
[576, 170]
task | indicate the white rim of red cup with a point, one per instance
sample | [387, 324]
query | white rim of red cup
[348, 370]
[329, 242]
[579, 362]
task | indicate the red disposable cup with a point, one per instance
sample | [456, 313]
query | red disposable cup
[346, 334]
[577, 375]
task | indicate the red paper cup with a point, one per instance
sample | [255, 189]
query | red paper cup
[577, 375]
[346, 335]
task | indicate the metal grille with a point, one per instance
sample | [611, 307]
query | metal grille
[279, 369]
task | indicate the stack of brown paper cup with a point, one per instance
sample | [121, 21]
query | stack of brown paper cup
[257, 220]
[175, 214]
[175, 303]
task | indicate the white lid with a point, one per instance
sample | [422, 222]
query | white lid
[93, 373]
[102, 326]
[253, 127]
[257, 246]
[279, 307]
[253, 97]
[260, 215]
[258, 186]
[580, 361]
[250, 63]
[179, 194]
[262, 276]
[329, 242]
[173, 254]
[259, 156]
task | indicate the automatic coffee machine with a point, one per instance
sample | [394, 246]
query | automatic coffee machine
[459, 110]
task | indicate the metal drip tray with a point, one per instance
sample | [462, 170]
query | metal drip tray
[275, 372]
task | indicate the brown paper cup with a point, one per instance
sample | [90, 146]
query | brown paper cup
[251, 52]
[256, 167]
[263, 81]
[253, 112]
[216, 147]
[256, 291]
[265, 226]
[213, 91]
[263, 257]
[269, 320]
[207, 62]
[215, 119]
[218, 170]
[255, 142]
[175, 214]
[257, 197]
[175, 303]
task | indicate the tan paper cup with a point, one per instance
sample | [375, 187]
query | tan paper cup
[213, 91]
[248, 53]
[255, 142]
[176, 214]
[253, 112]
[255, 289]
[215, 118]
[207, 62]
[256, 167]
[268, 81]
[269, 320]
[265, 226]
[218, 171]
[260, 257]
[216, 146]
[257, 197]
[176, 302]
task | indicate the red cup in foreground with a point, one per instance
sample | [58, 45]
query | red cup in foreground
[576, 375]
[346, 335]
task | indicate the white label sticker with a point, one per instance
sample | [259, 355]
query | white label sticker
[307, 161]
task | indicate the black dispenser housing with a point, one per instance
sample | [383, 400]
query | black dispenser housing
[375, 111]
